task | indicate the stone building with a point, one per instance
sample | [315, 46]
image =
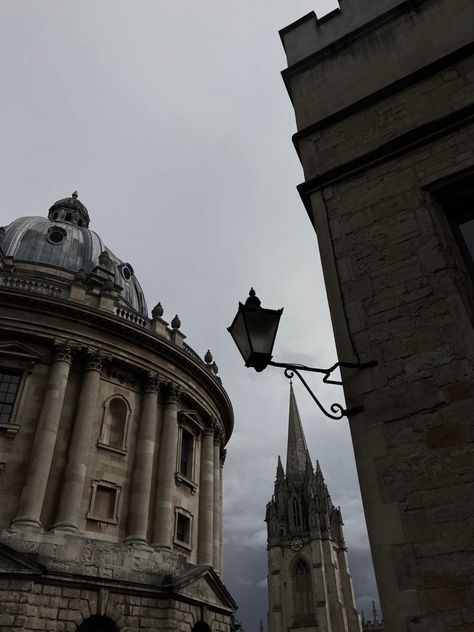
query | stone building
[112, 435]
[383, 98]
[309, 585]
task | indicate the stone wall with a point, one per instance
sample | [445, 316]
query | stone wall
[385, 124]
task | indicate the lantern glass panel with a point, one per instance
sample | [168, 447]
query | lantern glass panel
[262, 325]
[238, 332]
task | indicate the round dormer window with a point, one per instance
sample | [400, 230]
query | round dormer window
[56, 235]
[126, 271]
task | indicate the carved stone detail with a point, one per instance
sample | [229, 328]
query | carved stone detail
[151, 383]
[172, 392]
[94, 359]
[63, 351]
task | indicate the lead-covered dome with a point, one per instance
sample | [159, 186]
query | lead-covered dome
[64, 241]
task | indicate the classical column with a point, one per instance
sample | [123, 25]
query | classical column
[139, 504]
[216, 500]
[78, 456]
[223, 454]
[165, 484]
[206, 493]
[34, 488]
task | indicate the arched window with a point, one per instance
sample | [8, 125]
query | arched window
[302, 589]
[113, 434]
[97, 624]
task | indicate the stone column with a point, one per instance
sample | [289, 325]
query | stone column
[79, 447]
[223, 454]
[165, 484]
[34, 488]
[140, 495]
[216, 500]
[206, 493]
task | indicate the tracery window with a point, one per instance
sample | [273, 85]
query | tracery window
[296, 511]
[302, 588]
[115, 424]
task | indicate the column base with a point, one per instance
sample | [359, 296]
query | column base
[26, 522]
[138, 543]
[65, 527]
[161, 547]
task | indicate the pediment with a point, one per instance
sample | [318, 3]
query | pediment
[203, 584]
[192, 419]
[13, 562]
[13, 348]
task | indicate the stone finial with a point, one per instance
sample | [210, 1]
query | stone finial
[208, 357]
[157, 311]
[75, 194]
[215, 368]
[176, 323]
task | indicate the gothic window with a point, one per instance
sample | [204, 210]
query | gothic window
[302, 588]
[183, 528]
[115, 424]
[296, 512]
[9, 385]
[104, 503]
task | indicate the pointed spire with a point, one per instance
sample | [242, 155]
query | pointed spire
[297, 454]
[280, 472]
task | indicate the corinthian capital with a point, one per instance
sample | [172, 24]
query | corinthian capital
[63, 351]
[173, 392]
[94, 359]
[151, 383]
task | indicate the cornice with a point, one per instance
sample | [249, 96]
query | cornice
[135, 334]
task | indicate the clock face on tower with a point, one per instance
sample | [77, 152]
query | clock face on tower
[296, 543]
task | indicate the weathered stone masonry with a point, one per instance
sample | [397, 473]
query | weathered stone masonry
[385, 115]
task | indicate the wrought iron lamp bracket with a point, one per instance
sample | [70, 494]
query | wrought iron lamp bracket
[337, 411]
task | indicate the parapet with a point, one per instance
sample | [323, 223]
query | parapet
[310, 34]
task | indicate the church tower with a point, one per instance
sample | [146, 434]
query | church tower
[309, 585]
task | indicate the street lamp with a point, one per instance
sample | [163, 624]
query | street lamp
[254, 330]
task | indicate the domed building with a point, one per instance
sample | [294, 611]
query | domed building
[112, 435]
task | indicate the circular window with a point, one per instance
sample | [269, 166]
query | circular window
[56, 235]
[126, 272]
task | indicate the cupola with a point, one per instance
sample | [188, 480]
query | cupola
[70, 210]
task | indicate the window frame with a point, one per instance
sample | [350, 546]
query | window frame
[189, 422]
[109, 485]
[455, 197]
[16, 358]
[102, 440]
[187, 515]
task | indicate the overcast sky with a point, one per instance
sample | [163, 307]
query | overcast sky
[172, 121]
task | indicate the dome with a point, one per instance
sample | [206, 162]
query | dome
[64, 241]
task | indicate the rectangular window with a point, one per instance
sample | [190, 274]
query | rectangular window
[104, 502]
[186, 454]
[182, 528]
[457, 200]
[9, 385]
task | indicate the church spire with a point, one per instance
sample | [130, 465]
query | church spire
[297, 455]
